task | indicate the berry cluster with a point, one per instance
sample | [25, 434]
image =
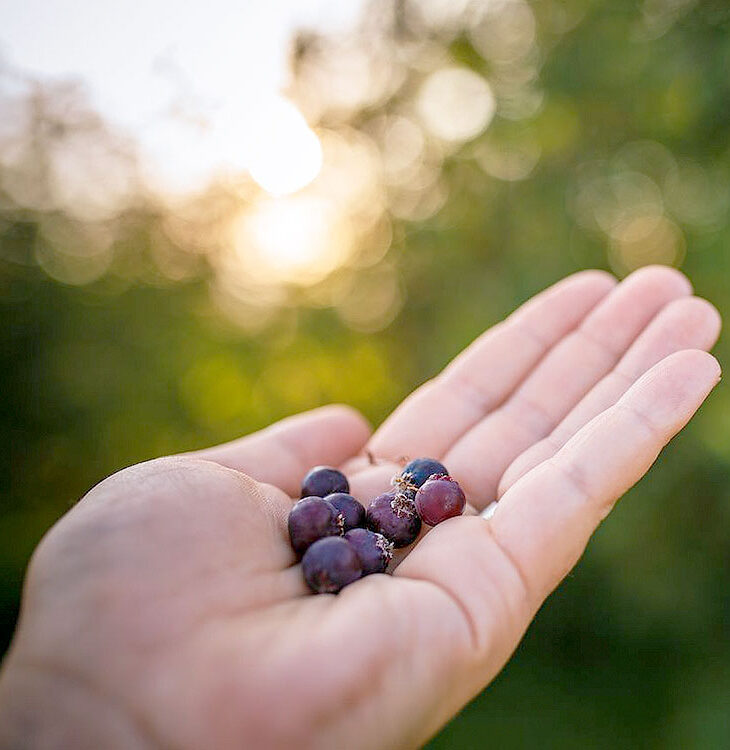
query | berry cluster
[338, 541]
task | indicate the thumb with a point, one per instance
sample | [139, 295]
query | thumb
[283, 453]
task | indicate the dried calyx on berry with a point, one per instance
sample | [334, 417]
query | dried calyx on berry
[373, 549]
[339, 541]
[393, 514]
[352, 512]
[417, 471]
[326, 529]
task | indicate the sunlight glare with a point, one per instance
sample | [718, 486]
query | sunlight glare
[296, 239]
[286, 154]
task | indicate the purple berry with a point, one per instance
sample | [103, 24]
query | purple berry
[394, 515]
[373, 549]
[351, 510]
[416, 472]
[439, 498]
[329, 564]
[311, 519]
[324, 480]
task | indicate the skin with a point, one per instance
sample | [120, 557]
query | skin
[165, 610]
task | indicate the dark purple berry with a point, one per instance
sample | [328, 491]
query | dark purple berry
[329, 564]
[311, 519]
[416, 472]
[352, 511]
[439, 498]
[324, 480]
[394, 515]
[373, 549]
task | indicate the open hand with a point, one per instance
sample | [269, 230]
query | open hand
[166, 609]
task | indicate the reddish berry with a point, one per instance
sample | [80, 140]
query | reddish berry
[439, 498]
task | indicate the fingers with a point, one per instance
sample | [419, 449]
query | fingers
[689, 323]
[545, 519]
[569, 370]
[433, 417]
[283, 453]
[495, 574]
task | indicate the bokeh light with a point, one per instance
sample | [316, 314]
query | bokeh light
[456, 104]
[643, 240]
[295, 240]
[286, 155]
[504, 31]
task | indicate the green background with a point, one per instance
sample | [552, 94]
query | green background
[633, 650]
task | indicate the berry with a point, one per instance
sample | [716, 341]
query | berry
[439, 498]
[416, 472]
[311, 519]
[329, 564]
[352, 512]
[322, 481]
[373, 549]
[394, 515]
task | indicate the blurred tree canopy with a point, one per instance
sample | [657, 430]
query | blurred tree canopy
[473, 152]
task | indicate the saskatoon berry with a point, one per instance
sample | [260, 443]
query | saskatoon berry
[329, 564]
[311, 519]
[373, 549]
[322, 481]
[439, 498]
[416, 472]
[394, 515]
[352, 512]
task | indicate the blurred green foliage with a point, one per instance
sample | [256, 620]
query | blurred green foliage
[634, 648]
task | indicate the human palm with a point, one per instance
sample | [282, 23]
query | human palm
[166, 610]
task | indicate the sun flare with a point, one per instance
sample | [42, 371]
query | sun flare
[286, 154]
[295, 239]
